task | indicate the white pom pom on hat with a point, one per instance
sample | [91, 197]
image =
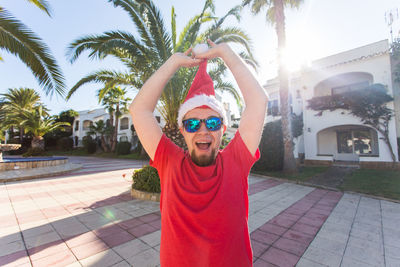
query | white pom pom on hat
[201, 94]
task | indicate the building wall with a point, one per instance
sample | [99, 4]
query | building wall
[327, 143]
[101, 114]
[371, 63]
[396, 95]
[377, 66]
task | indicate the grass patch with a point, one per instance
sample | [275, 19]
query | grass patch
[82, 152]
[304, 174]
[384, 183]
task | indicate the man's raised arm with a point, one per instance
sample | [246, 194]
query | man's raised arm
[142, 107]
[255, 98]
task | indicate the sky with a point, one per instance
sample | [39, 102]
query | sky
[319, 28]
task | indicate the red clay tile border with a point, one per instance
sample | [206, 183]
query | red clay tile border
[58, 253]
[263, 185]
[284, 239]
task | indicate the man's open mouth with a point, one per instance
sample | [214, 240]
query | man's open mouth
[203, 145]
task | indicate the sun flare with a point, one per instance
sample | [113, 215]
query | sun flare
[301, 48]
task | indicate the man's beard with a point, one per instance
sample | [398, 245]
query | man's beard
[204, 160]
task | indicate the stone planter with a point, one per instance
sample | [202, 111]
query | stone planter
[7, 147]
[145, 195]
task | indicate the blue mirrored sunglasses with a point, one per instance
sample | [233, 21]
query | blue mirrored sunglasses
[193, 125]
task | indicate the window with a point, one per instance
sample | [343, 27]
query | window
[349, 88]
[124, 124]
[362, 142]
[273, 108]
[345, 142]
[358, 141]
[87, 124]
[76, 125]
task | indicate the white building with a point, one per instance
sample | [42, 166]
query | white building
[337, 135]
[88, 117]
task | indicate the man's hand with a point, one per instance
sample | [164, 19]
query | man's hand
[184, 60]
[216, 50]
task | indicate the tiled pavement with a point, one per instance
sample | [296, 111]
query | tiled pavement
[87, 218]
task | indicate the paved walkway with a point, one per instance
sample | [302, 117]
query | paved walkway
[87, 218]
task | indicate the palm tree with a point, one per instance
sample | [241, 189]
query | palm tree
[38, 123]
[115, 101]
[144, 54]
[102, 129]
[13, 105]
[20, 41]
[275, 15]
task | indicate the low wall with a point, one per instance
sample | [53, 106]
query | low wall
[145, 195]
[30, 163]
[310, 162]
[382, 165]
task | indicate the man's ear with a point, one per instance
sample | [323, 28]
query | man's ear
[224, 129]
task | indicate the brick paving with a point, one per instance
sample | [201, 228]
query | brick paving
[88, 218]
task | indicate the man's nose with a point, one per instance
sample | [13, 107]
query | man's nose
[203, 128]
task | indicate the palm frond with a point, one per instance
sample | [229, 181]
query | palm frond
[209, 4]
[155, 23]
[43, 5]
[173, 28]
[250, 60]
[134, 11]
[228, 87]
[108, 77]
[231, 35]
[235, 11]
[20, 41]
[270, 16]
[108, 43]
[258, 5]
[293, 3]
[190, 32]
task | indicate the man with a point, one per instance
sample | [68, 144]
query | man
[204, 201]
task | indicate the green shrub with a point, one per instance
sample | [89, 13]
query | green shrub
[123, 148]
[271, 148]
[34, 152]
[146, 179]
[89, 144]
[65, 143]
[225, 141]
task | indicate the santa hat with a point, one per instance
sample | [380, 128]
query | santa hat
[201, 94]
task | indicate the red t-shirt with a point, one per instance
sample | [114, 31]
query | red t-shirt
[204, 210]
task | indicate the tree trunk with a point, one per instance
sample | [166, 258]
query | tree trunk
[289, 163]
[114, 140]
[387, 141]
[37, 142]
[111, 138]
[173, 133]
[21, 134]
[104, 144]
